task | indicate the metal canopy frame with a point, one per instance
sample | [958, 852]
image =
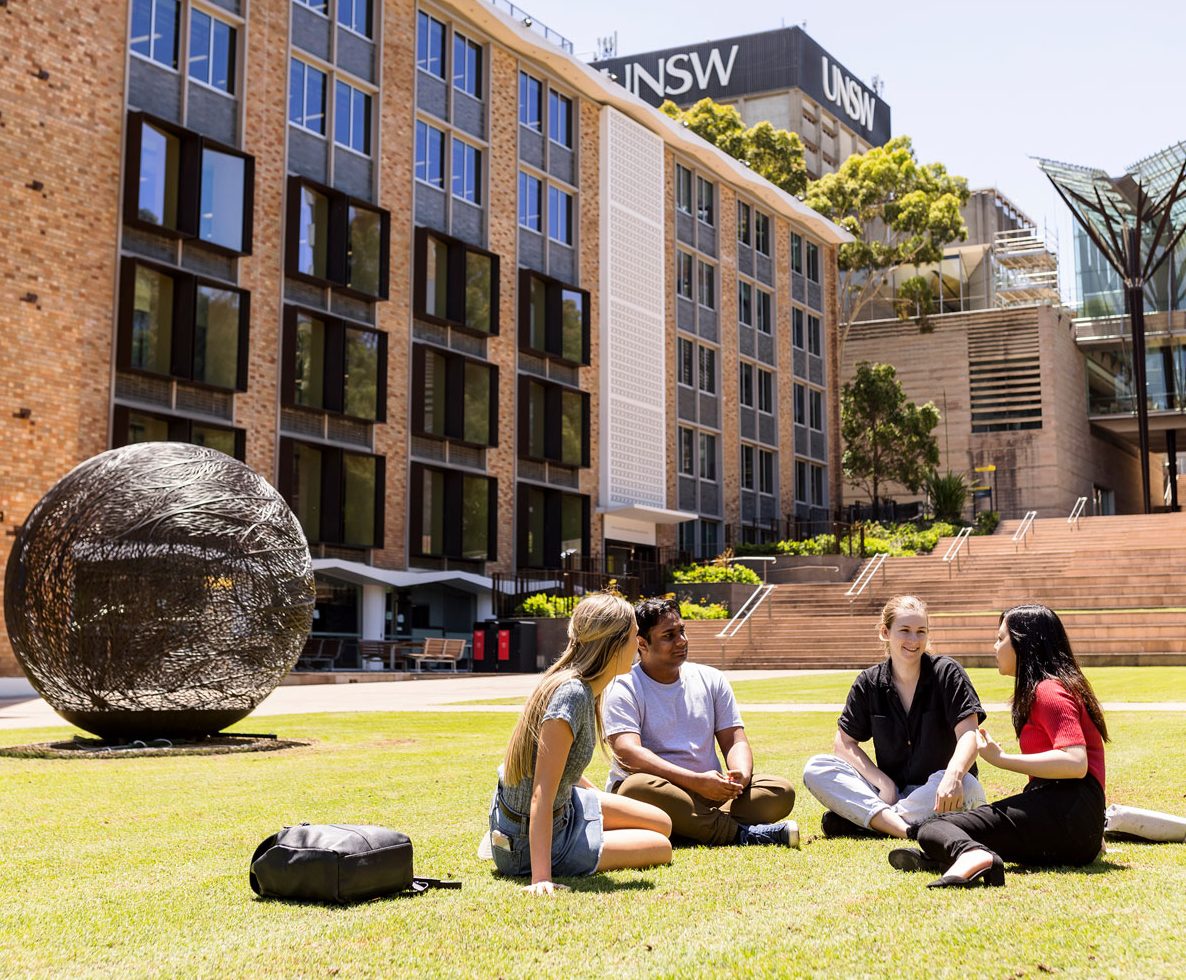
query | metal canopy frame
[1136, 220]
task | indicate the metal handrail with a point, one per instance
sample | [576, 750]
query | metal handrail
[756, 598]
[866, 576]
[953, 550]
[1025, 528]
[1077, 512]
[761, 558]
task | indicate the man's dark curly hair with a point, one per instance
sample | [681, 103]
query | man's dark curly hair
[650, 612]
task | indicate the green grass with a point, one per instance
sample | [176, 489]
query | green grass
[138, 867]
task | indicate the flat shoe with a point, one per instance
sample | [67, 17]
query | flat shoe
[992, 876]
[912, 859]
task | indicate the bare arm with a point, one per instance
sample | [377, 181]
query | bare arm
[555, 741]
[950, 795]
[739, 757]
[849, 749]
[636, 757]
[1065, 763]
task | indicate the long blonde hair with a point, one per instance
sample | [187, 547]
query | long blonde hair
[600, 625]
[900, 604]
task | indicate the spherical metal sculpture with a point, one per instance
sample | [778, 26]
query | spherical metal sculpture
[161, 589]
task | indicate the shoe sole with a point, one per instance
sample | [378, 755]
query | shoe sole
[905, 859]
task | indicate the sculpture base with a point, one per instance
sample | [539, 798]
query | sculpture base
[145, 725]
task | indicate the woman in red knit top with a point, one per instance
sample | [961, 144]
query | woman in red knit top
[1059, 817]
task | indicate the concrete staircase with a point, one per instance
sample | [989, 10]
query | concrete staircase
[1118, 583]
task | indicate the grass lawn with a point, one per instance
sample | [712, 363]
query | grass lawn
[138, 867]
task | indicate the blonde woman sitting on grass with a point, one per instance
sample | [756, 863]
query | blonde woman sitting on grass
[547, 819]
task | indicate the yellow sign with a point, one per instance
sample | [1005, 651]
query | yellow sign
[980, 489]
[990, 468]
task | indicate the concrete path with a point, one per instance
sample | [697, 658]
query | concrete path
[458, 694]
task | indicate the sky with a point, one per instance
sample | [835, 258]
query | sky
[981, 87]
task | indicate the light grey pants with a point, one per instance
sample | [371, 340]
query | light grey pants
[843, 790]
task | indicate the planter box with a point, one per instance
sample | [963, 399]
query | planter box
[731, 595]
[796, 569]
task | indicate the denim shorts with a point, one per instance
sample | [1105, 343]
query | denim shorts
[576, 837]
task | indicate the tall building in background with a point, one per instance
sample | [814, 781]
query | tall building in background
[782, 76]
[472, 307]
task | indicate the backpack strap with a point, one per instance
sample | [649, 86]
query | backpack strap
[259, 852]
[423, 884]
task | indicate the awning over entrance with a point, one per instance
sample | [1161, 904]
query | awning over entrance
[360, 574]
[649, 515]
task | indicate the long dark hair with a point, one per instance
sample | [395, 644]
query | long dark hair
[1043, 651]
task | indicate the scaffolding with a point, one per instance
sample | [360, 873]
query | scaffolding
[1026, 269]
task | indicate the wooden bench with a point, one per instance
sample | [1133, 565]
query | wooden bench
[438, 649]
[314, 657]
[386, 650]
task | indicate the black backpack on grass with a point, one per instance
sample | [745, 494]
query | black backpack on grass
[336, 863]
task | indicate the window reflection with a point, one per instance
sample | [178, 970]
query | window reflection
[475, 518]
[478, 278]
[572, 428]
[310, 362]
[160, 155]
[146, 428]
[214, 438]
[216, 336]
[572, 325]
[358, 499]
[313, 234]
[476, 395]
[361, 381]
[306, 488]
[221, 221]
[432, 517]
[364, 251]
[435, 386]
[152, 321]
[436, 276]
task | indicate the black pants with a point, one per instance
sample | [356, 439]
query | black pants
[1053, 821]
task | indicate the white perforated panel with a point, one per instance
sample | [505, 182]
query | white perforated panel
[633, 303]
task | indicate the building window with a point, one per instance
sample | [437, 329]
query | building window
[765, 391]
[796, 253]
[817, 486]
[336, 240]
[683, 189]
[814, 340]
[705, 210]
[355, 15]
[560, 119]
[559, 216]
[708, 370]
[745, 304]
[765, 471]
[815, 404]
[797, 327]
[467, 66]
[747, 467]
[132, 425]
[683, 274]
[155, 29]
[177, 325]
[455, 284]
[801, 490]
[454, 397]
[685, 361]
[531, 92]
[763, 317]
[800, 405]
[710, 538]
[553, 423]
[212, 51]
[743, 223]
[306, 97]
[317, 6]
[531, 191]
[553, 527]
[430, 155]
[467, 172]
[334, 366]
[352, 118]
[687, 457]
[187, 186]
[762, 233]
[553, 318]
[430, 45]
[336, 495]
[452, 514]
[707, 281]
[746, 385]
[708, 456]
[812, 262]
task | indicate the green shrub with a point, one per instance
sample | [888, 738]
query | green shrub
[695, 610]
[987, 521]
[948, 494]
[715, 573]
[544, 606]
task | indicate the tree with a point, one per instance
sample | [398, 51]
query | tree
[899, 211]
[948, 494]
[775, 154]
[886, 436]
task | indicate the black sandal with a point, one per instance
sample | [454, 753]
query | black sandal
[992, 876]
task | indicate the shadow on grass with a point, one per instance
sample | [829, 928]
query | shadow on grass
[598, 884]
[1095, 868]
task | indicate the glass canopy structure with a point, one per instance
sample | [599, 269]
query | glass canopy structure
[1135, 220]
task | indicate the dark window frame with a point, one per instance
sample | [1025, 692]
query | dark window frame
[553, 318]
[185, 294]
[553, 441]
[338, 209]
[180, 428]
[333, 491]
[550, 547]
[455, 298]
[451, 528]
[189, 183]
[455, 365]
[334, 365]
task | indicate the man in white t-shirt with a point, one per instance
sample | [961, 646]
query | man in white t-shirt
[664, 721]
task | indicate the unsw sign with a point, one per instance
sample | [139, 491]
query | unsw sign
[767, 62]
